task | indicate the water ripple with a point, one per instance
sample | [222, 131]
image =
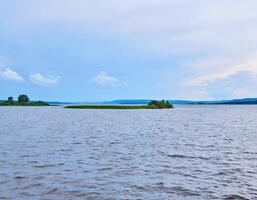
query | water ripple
[191, 152]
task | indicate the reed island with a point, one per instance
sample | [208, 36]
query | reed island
[154, 104]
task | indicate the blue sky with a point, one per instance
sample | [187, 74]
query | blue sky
[81, 50]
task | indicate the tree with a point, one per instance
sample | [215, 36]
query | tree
[23, 98]
[160, 104]
[10, 99]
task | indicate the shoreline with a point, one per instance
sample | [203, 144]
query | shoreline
[112, 107]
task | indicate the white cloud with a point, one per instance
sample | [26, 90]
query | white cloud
[11, 75]
[41, 80]
[103, 78]
[213, 71]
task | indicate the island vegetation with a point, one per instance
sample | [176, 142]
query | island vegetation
[154, 104]
[23, 100]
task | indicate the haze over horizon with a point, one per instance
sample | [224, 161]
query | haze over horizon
[80, 50]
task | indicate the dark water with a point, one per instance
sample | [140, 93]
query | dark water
[191, 152]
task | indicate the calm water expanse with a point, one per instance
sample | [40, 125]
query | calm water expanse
[191, 152]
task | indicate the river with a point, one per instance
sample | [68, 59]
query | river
[190, 152]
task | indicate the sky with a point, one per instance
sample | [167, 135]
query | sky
[84, 50]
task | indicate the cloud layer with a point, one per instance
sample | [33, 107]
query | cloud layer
[11, 75]
[196, 30]
[211, 41]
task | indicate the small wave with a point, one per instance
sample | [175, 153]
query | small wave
[177, 190]
[5, 198]
[76, 143]
[53, 191]
[183, 156]
[235, 197]
[32, 185]
[139, 188]
[44, 165]
[248, 152]
[105, 169]
[19, 177]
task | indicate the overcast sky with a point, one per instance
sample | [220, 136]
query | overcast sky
[84, 50]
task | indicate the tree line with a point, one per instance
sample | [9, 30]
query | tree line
[22, 100]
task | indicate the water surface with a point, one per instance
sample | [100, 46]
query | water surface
[191, 152]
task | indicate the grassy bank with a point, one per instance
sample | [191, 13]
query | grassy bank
[111, 107]
[32, 103]
[151, 105]
[22, 100]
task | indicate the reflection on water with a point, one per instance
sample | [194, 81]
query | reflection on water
[191, 152]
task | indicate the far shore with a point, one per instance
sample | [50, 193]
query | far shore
[32, 103]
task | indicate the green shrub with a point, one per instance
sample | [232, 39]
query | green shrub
[160, 104]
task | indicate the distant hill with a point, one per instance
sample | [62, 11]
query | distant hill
[131, 101]
[59, 103]
[176, 102]
[184, 102]
[241, 101]
[233, 101]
